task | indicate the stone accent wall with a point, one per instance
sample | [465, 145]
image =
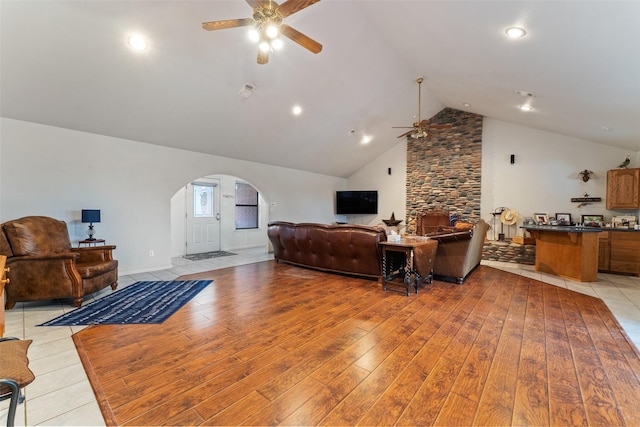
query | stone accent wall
[444, 169]
[509, 252]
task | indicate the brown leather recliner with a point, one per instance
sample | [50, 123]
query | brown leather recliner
[431, 220]
[44, 266]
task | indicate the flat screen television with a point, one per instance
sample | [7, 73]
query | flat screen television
[356, 202]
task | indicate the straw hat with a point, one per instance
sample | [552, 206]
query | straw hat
[509, 217]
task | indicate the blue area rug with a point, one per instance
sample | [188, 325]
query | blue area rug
[141, 302]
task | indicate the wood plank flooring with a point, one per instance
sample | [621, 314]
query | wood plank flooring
[269, 344]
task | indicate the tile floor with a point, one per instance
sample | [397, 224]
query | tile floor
[62, 395]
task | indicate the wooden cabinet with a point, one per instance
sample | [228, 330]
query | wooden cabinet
[604, 252]
[625, 252]
[623, 189]
[619, 252]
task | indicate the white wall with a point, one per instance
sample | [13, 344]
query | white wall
[544, 177]
[392, 188]
[57, 172]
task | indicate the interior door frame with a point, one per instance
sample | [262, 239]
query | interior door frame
[208, 182]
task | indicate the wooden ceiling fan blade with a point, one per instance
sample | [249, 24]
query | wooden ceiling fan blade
[405, 134]
[401, 127]
[300, 38]
[263, 57]
[228, 23]
[290, 7]
[253, 3]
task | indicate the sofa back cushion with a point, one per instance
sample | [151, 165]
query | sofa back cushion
[5, 248]
[37, 235]
[344, 248]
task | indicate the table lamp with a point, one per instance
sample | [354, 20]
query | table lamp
[90, 216]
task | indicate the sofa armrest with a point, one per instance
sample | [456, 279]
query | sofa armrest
[451, 237]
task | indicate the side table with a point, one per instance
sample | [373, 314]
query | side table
[410, 260]
[93, 242]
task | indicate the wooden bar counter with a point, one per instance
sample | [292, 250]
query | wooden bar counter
[569, 252]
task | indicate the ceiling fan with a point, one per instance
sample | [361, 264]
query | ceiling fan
[419, 128]
[267, 21]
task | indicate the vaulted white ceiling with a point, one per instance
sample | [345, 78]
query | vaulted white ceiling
[66, 64]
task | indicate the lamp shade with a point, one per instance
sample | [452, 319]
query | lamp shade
[90, 215]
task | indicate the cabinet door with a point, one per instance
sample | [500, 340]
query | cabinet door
[623, 189]
[604, 252]
[625, 252]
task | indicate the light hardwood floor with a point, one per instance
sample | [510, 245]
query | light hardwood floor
[270, 344]
[62, 394]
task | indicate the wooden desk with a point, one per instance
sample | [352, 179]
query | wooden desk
[410, 260]
[570, 252]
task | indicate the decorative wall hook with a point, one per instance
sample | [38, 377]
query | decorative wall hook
[586, 174]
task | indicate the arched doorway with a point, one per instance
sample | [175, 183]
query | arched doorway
[231, 235]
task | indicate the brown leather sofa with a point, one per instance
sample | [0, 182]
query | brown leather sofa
[44, 266]
[350, 249]
[459, 251]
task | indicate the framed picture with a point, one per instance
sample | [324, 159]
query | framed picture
[592, 220]
[541, 218]
[563, 218]
[624, 221]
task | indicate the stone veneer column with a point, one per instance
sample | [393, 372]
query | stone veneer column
[444, 169]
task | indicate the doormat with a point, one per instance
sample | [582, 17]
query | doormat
[207, 255]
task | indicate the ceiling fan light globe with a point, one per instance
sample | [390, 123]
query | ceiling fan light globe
[277, 44]
[254, 35]
[264, 47]
[272, 31]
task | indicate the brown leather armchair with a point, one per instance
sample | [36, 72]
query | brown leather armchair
[431, 220]
[44, 266]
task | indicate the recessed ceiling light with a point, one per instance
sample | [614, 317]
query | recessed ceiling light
[605, 128]
[137, 42]
[297, 110]
[515, 32]
[366, 139]
[526, 107]
[466, 104]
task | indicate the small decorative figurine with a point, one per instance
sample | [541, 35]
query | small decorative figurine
[586, 174]
[624, 164]
[392, 222]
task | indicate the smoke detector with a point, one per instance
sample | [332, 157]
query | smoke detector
[524, 93]
[246, 90]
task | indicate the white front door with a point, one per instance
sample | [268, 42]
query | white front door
[203, 216]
